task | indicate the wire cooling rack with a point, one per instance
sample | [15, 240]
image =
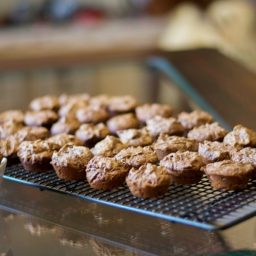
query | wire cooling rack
[197, 205]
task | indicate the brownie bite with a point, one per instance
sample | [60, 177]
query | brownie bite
[15, 116]
[40, 118]
[110, 146]
[135, 137]
[137, 156]
[101, 100]
[70, 162]
[245, 156]
[122, 122]
[92, 114]
[122, 104]
[213, 151]
[62, 139]
[148, 111]
[70, 98]
[105, 173]
[148, 181]
[184, 167]
[9, 148]
[36, 155]
[66, 124]
[32, 133]
[194, 119]
[210, 132]
[158, 125]
[47, 102]
[166, 144]
[241, 136]
[9, 128]
[229, 175]
[69, 109]
[92, 133]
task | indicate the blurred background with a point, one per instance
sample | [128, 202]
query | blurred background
[44, 44]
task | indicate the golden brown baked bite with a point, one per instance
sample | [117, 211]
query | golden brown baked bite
[105, 173]
[229, 175]
[70, 162]
[148, 181]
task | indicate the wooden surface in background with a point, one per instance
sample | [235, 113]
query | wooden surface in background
[228, 87]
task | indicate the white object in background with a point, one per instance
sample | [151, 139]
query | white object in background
[3, 166]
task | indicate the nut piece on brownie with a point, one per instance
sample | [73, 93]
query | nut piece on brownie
[105, 173]
[148, 181]
[184, 167]
[229, 175]
[194, 119]
[241, 136]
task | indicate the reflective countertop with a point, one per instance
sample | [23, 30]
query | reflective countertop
[36, 222]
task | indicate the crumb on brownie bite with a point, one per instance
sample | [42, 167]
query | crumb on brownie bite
[40, 118]
[90, 134]
[136, 156]
[136, 137]
[166, 144]
[47, 102]
[70, 162]
[148, 181]
[241, 136]
[109, 146]
[147, 111]
[210, 132]
[105, 173]
[184, 167]
[194, 119]
[158, 125]
[122, 122]
[229, 175]
[214, 151]
[66, 124]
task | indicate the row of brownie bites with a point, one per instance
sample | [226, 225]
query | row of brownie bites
[109, 140]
